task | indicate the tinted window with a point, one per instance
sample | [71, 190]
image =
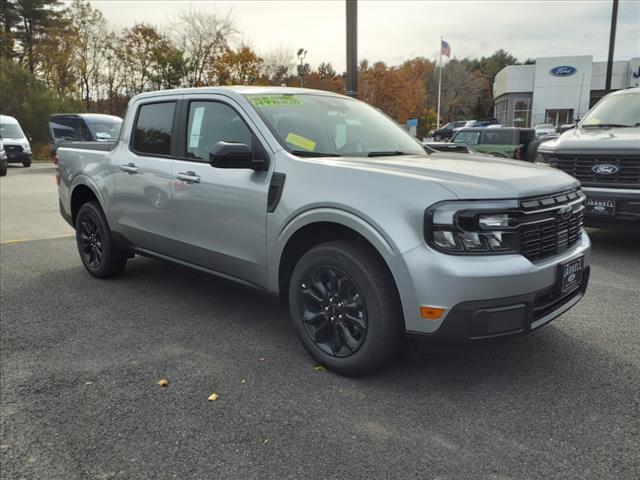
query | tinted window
[467, 138]
[497, 138]
[152, 133]
[213, 122]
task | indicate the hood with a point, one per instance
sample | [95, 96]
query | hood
[609, 139]
[468, 176]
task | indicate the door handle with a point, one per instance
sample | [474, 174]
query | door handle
[189, 177]
[129, 168]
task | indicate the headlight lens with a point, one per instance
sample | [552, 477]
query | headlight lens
[473, 227]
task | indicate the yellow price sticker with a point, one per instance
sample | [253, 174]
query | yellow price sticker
[300, 141]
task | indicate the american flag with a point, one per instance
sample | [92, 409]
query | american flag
[445, 49]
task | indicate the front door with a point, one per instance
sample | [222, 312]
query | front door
[220, 214]
[144, 178]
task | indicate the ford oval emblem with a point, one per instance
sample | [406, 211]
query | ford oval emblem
[605, 169]
[563, 71]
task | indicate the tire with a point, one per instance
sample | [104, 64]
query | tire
[98, 252]
[26, 163]
[3, 170]
[531, 151]
[367, 305]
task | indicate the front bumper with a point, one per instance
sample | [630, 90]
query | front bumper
[627, 211]
[466, 285]
[18, 157]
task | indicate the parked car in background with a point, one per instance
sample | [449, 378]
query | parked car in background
[507, 142]
[16, 144]
[545, 130]
[82, 127]
[323, 200]
[446, 132]
[603, 152]
[4, 164]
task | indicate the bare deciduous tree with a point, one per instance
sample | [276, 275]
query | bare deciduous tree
[203, 37]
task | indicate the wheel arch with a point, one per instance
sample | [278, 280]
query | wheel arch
[82, 192]
[321, 226]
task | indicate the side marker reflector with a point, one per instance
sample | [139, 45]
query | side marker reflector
[431, 313]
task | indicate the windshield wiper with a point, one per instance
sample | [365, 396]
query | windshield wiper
[606, 125]
[307, 153]
[386, 154]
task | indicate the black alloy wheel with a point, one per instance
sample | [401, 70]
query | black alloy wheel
[333, 312]
[91, 242]
[100, 255]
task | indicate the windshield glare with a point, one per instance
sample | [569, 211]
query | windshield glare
[331, 125]
[623, 109]
[10, 130]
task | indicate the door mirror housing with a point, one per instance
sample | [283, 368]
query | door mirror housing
[235, 155]
[566, 127]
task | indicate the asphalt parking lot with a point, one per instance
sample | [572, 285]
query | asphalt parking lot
[81, 358]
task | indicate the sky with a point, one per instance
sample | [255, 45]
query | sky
[394, 31]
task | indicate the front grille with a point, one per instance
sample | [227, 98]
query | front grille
[544, 231]
[581, 167]
[13, 148]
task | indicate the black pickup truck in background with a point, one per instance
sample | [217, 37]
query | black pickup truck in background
[82, 127]
[603, 152]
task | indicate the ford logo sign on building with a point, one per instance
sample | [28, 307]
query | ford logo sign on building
[605, 169]
[563, 71]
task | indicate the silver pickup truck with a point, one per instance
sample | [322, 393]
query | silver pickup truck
[325, 201]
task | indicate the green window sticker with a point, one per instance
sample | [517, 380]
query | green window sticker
[262, 101]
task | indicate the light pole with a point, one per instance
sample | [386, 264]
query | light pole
[352, 48]
[612, 43]
[302, 53]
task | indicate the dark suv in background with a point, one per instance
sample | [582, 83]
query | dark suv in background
[446, 132]
[82, 127]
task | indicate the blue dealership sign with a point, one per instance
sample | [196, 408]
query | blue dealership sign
[563, 71]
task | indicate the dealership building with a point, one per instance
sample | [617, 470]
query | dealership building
[556, 89]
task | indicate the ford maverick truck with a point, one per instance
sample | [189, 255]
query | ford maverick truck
[325, 201]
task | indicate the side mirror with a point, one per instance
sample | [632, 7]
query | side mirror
[234, 155]
[566, 127]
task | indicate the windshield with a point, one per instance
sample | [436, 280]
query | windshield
[314, 125]
[10, 130]
[105, 131]
[615, 110]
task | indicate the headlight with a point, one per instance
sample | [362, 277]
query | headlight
[465, 228]
[26, 147]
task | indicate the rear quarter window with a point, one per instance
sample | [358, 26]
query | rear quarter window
[497, 138]
[152, 132]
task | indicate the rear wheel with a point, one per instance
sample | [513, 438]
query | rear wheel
[344, 306]
[99, 253]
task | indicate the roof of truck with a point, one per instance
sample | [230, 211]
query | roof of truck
[238, 90]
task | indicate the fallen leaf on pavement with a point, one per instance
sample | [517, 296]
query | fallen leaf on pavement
[319, 368]
[213, 397]
[163, 382]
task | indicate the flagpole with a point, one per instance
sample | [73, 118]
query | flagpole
[439, 86]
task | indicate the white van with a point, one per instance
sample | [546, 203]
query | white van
[16, 144]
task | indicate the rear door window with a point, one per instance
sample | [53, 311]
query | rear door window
[154, 125]
[490, 137]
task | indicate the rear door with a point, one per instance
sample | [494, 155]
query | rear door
[144, 177]
[497, 142]
[220, 213]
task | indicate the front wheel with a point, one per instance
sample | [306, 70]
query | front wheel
[26, 163]
[344, 306]
[99, 253]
